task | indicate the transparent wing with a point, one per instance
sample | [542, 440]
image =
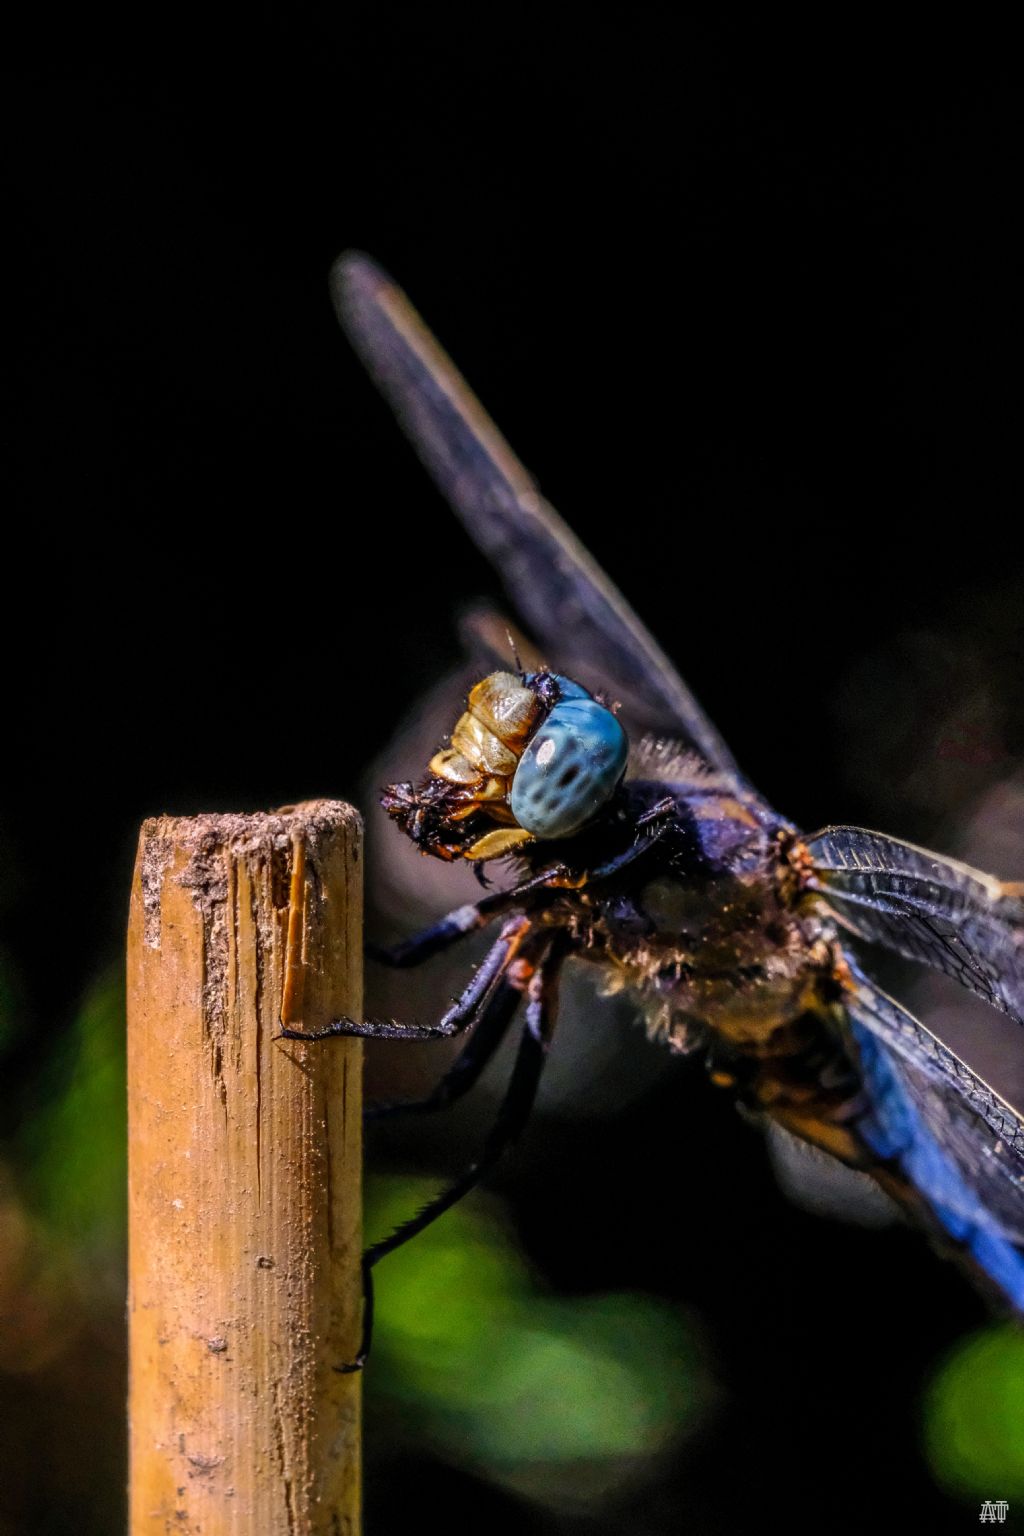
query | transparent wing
[980, 1137]
[928, 908]
[824, 1186]
[562, 595]
[494, 641]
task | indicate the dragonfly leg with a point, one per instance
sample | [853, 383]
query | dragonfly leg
[439, 936]
[453, 1021]
[476, 915]
[366, 1332]
[513, 1114]
[458, 923]
[560, 876]
[489, 1031]
[635, 851]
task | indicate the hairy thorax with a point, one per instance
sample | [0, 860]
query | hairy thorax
[714, 938]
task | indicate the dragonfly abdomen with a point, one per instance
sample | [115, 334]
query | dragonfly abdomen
[801, 1075]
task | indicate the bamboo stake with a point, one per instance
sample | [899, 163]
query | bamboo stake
[244, 1175]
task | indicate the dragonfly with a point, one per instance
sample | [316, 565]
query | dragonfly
[630, 840]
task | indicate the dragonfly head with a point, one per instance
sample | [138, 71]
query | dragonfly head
[532, 758]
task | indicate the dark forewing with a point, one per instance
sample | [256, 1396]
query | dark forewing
[979, 1132]
[927, 908]
[568, 602]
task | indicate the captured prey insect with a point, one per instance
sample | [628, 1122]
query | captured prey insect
[650, 855]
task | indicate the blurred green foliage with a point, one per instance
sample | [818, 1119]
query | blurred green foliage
[74, 1146]
[570, 1402]
[564, 1400]
[974, 1416]
[62, 1279]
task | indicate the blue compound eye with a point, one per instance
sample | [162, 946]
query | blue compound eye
[570, 690]
[570, 769]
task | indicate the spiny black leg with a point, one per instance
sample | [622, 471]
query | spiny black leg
[513, 1112]
[476, 915]
[558, 877]
[365, 1029]
[634, 851]
[465, 1070]
[439, 936]
[455, 925]
[661, 808]
[459, 1079]
[366, 1333]
[457, 1018]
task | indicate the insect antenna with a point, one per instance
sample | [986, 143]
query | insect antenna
[513, 647]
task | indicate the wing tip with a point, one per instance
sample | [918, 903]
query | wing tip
[354, 279]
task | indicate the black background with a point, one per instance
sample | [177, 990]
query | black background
[740, 297]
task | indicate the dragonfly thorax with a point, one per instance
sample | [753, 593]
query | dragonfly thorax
[712, 935]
